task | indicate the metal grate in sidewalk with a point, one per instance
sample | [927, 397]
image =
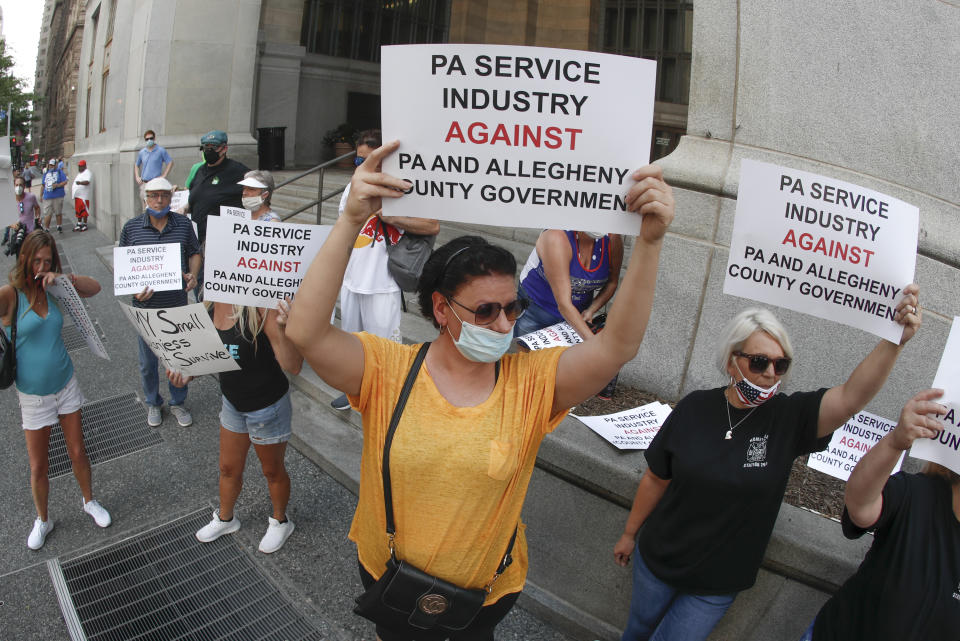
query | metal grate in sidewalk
[164, 584]
[112, 428]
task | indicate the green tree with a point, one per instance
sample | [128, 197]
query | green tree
[12, 91]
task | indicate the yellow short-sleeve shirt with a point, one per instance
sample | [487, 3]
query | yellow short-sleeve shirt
[459, 475]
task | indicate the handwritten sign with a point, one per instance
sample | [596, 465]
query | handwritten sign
[183, 338]
[65, 293]
[235, 212]
[630, 429]
[179, 199]
[821, 246]
[558, 335]
[517, 136]
[153, 266]
[257, 263]
[849, 443]
[945, 449]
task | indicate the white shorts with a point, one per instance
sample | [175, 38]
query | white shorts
[378, 314]
[42, 411]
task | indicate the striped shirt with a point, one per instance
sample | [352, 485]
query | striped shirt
[139, 231]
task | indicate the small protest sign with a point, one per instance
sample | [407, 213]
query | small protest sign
[945, 449]
[65, 293]
[179, 199]
[821, 246]
[516, 136]
[257, 263]
[632, 429]
[235, 212]
[183, 338]
[558, 335]
[138, 266]
[850, 443]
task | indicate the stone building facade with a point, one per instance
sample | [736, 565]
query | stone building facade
[59, 109]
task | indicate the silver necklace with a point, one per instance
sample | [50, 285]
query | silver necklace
[726, 403]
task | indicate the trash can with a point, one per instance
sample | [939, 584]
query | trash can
[270, 147]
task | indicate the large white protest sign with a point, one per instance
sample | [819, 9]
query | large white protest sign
[155, 266]
[183, 338]
[179, 200]
[235, 212]
[631, 429]
[516, 136]
[850, 443]
[945, 449]
[257, 263]
[558, 335]
[821, 246]
[65, 293]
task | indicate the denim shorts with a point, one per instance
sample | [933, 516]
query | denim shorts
[268, 426]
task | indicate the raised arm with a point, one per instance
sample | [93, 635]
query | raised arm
[422, 226]
[864, 493]
[275, 326]
[649, 493]
[555, 252]
[586, 367]
[335, 355]
[843, 401]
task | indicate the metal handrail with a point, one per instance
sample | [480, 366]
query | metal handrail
[320, 196]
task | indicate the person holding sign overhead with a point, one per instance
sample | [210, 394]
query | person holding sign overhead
[718, 469]
[908, 586]
[155, 226]
[465, 445]
[46, 384]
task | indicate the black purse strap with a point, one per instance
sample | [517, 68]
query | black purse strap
[385, 469]
[13, 323]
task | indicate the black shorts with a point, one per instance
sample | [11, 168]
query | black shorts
[481, 629]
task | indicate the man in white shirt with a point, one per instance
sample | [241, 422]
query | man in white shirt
[81, 191]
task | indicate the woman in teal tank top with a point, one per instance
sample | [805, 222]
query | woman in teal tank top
[46, 385]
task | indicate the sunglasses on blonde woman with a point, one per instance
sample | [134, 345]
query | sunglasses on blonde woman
[758, 363]
[486, 313]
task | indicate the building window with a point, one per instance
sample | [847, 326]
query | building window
[94, 21]
[86, 113]
[660, 30]
[356, 29]
[110, 18]
[103, 101]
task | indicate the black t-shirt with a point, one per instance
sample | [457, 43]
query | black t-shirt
[908, 586]
[213, 187]
[708, 533]
[260, 381]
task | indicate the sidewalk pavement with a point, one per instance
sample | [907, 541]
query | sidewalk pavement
[316, 569]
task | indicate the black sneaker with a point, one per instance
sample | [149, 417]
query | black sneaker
[60, 229]
[340, 403]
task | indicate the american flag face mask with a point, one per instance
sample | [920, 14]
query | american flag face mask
[752, 395]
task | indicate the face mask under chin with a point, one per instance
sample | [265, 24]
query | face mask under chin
[753, 395]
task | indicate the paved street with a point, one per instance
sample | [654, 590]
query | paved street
[316, 570]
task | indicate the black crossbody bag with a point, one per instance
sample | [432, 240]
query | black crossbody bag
[8, 362]
[406, 595]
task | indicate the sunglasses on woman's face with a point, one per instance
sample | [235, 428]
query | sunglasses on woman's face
[486, 313]
[758, 363]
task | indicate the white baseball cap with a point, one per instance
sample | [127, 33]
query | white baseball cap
[252, 182]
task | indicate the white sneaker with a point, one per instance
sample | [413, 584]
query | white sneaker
[154, 416]
[217, 528]
[39, 533]
[182, 414]
[100, 515]
[277, 534]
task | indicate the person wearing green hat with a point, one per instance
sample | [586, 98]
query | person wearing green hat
[215, 183]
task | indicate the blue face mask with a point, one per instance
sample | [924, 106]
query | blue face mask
[480, 344]
[357, 161]
[159, 214]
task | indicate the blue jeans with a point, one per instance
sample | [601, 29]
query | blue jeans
[150, 379]
[662, 613]
[533, 319]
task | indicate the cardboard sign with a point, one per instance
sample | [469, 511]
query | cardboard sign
[179, 199]
[235, 212]
[65, 293]
[183, 338]
[631, 429]
[516, 136]
[257, 263]
[155, 266]
[849, 443]
[559, 335]
[821, 246]
[945, 449]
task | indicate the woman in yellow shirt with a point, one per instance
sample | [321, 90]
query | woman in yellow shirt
[465, 447]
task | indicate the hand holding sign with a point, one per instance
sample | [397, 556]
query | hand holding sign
[909, 313]
[369, 186]
[652, 198]
[916, 420]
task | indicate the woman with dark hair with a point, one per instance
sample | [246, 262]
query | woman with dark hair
[46, 385]
[718, 468]
[908, 586]
[466, 443]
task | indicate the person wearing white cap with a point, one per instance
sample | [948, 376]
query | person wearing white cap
[157, 225]
[258, 186]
